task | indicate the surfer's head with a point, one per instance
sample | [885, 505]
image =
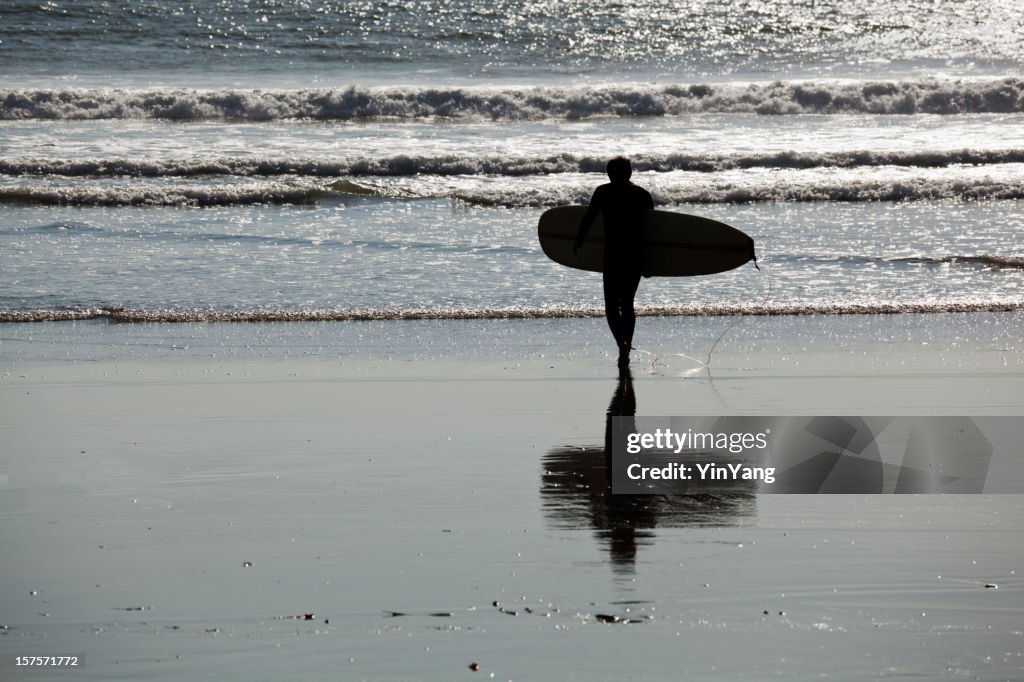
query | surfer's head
[619, 169]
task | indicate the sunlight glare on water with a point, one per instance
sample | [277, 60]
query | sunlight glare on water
[513, 39]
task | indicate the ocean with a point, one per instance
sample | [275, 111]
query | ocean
[387, 160]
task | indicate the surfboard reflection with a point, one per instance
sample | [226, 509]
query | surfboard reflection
[576, 494]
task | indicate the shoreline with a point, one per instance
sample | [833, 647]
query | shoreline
[954, 347]
[116, 315]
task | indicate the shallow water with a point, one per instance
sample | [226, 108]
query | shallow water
[402, 258]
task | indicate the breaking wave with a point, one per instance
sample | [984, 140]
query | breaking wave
[988, 261]
[348, 104]
[453, 165]
[530, 195]
[854, 191]
[158, 196]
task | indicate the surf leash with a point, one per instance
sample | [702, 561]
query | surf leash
[706, 363]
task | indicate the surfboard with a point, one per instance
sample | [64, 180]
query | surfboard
[675, 244]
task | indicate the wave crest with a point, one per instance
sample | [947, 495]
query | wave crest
[898, 97]
[404, 165]
[512, 195]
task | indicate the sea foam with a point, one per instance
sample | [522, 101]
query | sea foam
[198, 315]
[509, 104]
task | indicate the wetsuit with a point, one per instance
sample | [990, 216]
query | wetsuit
[623, 206]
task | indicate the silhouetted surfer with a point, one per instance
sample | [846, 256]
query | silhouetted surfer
[622, 205]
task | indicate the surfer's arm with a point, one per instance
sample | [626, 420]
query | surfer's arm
[585, 224]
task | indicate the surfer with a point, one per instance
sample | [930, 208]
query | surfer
[622, 205]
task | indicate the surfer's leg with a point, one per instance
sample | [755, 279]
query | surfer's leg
[619, 292]
[630, 283]
[612, 308]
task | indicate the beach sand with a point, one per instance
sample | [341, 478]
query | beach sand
[395, 501]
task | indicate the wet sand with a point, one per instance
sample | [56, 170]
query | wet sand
[395, 501]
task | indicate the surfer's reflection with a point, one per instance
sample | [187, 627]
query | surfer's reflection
[576, 493]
